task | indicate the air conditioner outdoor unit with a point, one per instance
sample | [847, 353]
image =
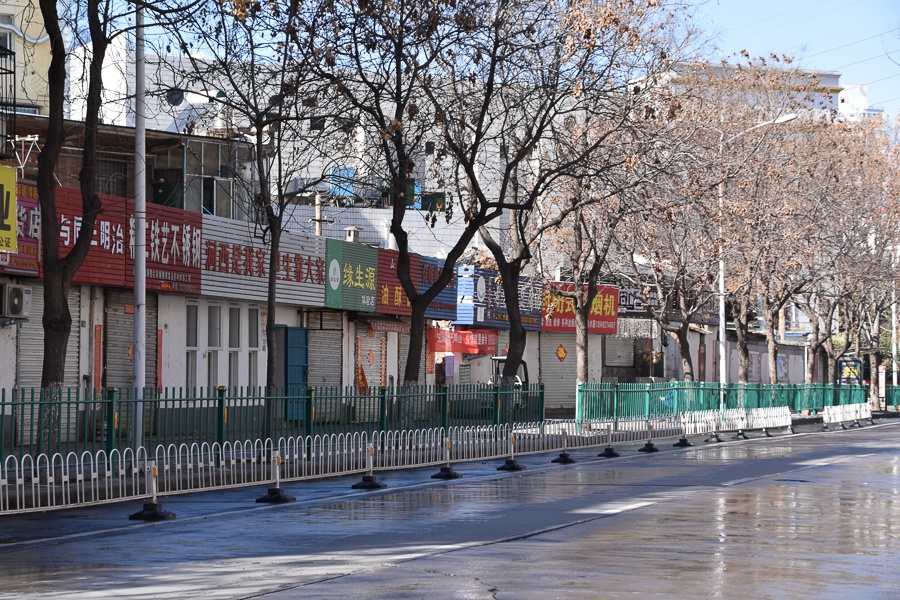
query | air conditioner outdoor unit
[15, 300]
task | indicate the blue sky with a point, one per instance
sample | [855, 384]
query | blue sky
[858, 38]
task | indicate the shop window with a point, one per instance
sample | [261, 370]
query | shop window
[190, 343]
[253, 345]
[234, 346]
[214, 344]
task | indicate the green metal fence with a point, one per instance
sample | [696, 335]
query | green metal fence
[33, 421]
[607, 401]
[892, 396]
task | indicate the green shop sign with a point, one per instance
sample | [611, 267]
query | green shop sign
[352, 276]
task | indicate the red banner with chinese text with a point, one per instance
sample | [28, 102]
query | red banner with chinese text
[474, 341]
[558, 310]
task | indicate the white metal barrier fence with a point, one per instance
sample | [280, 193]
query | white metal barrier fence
[47, 483]
[847, 412]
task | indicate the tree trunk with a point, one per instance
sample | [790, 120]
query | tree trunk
[830, 368]
[582, 310]
[874, 359]
[874, 397]
[272, 350]
[684, 350]
[813, 345]
[742, 329]
[509, 280]
[772, 345]
[59, 271]
[416, 340]
[811, 352]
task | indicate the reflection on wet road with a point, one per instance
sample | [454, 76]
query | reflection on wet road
[807, 516]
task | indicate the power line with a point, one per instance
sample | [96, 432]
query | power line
[805, 18]
[778, 16]
[852, 43]
[882, 55]
[884, 78]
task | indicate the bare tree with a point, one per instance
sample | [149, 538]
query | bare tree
[741, 109]
[249, 60]
[546, 92]
[92, 24]
[386, 60]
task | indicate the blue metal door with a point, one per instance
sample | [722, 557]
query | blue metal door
[296, 370]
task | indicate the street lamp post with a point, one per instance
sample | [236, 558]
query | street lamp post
[723, 358]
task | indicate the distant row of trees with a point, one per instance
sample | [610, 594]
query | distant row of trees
[591, 129]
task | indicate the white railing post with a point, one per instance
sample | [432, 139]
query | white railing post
[564, 458]
[152, 510]
[446, 471]
[369, 481]
[276, 495]
[511, 464]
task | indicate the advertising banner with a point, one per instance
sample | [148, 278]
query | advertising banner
[234, 263]
[391, 299]
[474, 341]
[9, 212]
[174, 245]
[105, 263]
[482, 301]
[559, 310]
[24, 261]
[443, 307]
[352, 276]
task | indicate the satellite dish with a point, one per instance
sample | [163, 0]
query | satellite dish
[174, 96]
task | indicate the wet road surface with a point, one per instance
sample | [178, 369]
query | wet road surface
[813, 515]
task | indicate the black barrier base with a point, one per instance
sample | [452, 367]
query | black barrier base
[682, 443]
[152, 511]
[648, 447]
[765, 432]
[563, 459]
[608, 452]
[510, 465]
[713, 438]
[446, 473]
[790, 429]
[856, 423]
[276, 495]
[740, 435]
[844, 425]
[5, 539]
[369, 482]
[825, 427]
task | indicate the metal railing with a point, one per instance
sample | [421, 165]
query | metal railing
[36, 421]
[57, 481]
[212, 441]
[630, 400]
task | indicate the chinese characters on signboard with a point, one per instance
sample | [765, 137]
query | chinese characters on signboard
[559, 309]
[352, 276]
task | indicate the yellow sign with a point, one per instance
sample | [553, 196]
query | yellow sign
[9, 212]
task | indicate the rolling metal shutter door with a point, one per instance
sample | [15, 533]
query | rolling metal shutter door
[404, 354]
[31, 342]
[618, 351]
[371, 352]
[325, 356]
[31, 358]
[120, 335]
[372, 356]
[558, 376]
